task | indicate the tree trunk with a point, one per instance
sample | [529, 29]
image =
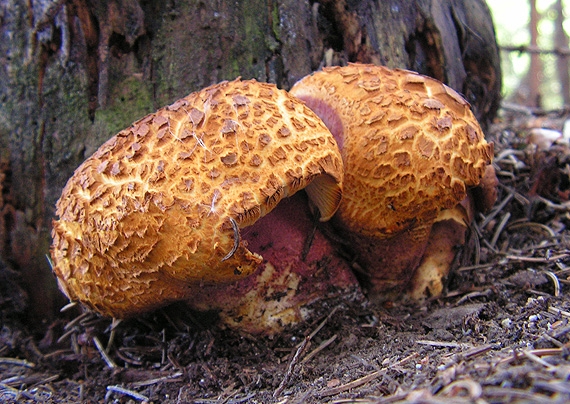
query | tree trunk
[535, 70]
[562, 62]
[77, 71]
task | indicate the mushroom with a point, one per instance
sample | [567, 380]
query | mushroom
[156, 214]
[411, 149]
[448, 232]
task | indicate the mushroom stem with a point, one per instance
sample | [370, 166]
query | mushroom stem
[393, 259]
[278, 293]
[447, 236]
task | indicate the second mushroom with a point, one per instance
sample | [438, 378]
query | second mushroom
[412, 150]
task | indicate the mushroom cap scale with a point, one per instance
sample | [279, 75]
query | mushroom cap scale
[151, 212]
[410, 145]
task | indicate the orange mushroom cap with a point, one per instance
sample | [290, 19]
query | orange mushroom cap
[411, 147]
[157, 208]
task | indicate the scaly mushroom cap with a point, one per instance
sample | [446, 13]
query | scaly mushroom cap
[411, 148]
[410, 144]
[156, 208]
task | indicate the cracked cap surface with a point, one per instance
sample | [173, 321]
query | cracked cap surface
[410, 145]
[148, 215]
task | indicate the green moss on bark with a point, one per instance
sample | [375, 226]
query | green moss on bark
[129, 100]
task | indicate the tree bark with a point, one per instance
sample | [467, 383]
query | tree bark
[75, 72]
[562, 62]
[535, 70]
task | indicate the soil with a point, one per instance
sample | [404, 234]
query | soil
[499, 333]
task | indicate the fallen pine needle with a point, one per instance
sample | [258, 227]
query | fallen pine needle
[300, 350]
[104, 355]
[439, 344]
[554, 310]
[68, 306]
[500, 229]
[555, 281]
[534, 353]
[464, 387]
[537, 259]
[318, 349]
[476, 351]
[322, 324]
[17, 362]
[126, 392]
[291, 367]
[170, 378]
[365, 379]
[538, 359]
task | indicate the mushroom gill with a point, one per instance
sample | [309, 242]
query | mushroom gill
[411, 149]
[157, 212]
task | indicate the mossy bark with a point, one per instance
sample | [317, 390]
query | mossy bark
[77, 71]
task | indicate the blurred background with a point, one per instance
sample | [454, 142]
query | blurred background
[533, 38]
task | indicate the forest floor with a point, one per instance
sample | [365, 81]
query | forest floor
[500, 333]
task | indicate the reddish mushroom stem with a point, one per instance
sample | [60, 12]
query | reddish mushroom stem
[392, 258]
[278, 293]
